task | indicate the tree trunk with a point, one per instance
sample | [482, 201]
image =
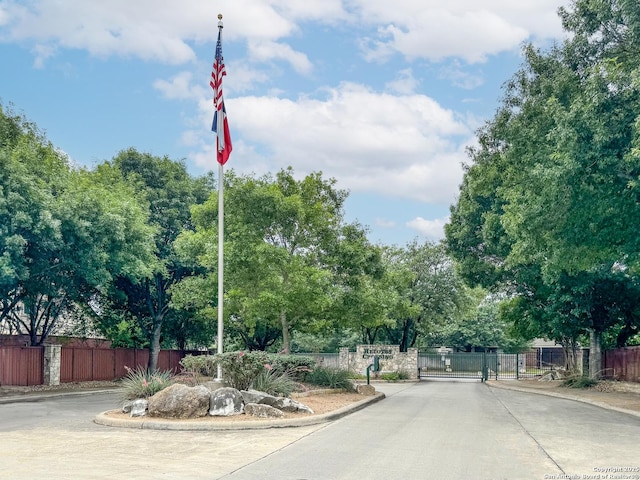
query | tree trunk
[595, 354]
[570, 354]
[286, 337]
[154, 346]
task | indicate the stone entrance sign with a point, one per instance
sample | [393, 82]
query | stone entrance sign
[390, 357]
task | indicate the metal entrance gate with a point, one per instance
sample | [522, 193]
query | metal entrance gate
[482, 366]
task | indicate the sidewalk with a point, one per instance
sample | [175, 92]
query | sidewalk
[619, 396]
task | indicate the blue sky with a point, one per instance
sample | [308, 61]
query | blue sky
[384, 97]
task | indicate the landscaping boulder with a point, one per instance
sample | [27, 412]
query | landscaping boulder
[289, 405]
[366, 389]
[262, 410]
[136, 408]
[180, 401]
[226, 401]
[256, 396]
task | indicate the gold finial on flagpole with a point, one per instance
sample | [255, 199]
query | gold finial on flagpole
[219, 20]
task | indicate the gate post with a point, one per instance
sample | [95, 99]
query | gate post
[485, 373]
[51, 373]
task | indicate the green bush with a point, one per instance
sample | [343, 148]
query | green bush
[240, 369]
[141, 383]
[394, 376]
[274, 382]
[200, 365]
[579, 381]
[330, 378]
[296, 366]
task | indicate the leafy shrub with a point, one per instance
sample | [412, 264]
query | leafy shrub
[141, 383]
[274, 382]
[330, 377]
[240, 369]
[394, 376]
[296, 366]
[579, 381]
[200, 365]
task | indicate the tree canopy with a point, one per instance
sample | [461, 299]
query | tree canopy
[548, 209]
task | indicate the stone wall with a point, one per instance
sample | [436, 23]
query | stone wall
[390, 357]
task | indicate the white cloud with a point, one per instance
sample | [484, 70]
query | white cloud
[180, 86]
[271, 51]
[465, 29]
[460, 77]
[432, 229]
[166, 30]
[42, 53]
[405, 83]
[403, 146]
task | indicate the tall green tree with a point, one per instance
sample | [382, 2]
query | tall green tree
[169, 191]
[551, 198]
[279, 233]
[364, 294]
[65, 233]
[430, 293]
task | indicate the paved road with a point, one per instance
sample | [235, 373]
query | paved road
[455, 430]
[436, 430]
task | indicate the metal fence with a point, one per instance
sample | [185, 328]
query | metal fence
[330, 360]
[622, 364]
[23, 366]
[485, 366]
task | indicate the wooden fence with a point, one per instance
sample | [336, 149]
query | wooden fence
[24, 365]
[622, 364]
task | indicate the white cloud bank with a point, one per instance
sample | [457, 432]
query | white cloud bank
[401, 146]
[431, 229]
[165, 30]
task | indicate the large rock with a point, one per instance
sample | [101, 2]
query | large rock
[226, 401]
[139, 408]
[136, 408]
[256, 396]
[180, 401]
[289, 405]
[366, 389]
[262, 410]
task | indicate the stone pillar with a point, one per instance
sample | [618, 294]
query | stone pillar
[51, 374]
[595, 354]
[343, 358]
[412, 363]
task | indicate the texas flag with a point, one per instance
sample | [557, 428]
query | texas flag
[220, 124]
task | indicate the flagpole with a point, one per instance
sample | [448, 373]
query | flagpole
[220, 262]
[220, 228]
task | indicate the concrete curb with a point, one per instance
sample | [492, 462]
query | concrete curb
[210, 425]
[36, 397]
[575, 398]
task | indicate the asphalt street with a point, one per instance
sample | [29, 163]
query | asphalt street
[442, 430]
[460, 430]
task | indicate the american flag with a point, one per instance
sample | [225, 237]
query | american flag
[220, 124]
